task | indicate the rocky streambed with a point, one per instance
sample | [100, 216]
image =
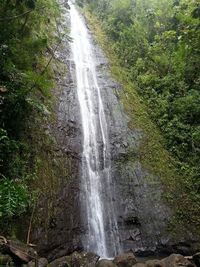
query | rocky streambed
[89, 259]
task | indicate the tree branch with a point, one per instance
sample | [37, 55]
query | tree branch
[17, 16]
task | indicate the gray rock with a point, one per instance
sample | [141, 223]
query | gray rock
[84, 259]
[61, 262]
[42, 262]
[176, 260]
[125, 260]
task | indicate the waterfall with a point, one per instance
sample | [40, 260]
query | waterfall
[97, 196]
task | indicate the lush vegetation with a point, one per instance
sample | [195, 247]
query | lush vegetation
[27, 34]
[157, 42]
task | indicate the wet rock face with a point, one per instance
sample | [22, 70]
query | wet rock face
[57, 224]
[137, 194]
[142, 215]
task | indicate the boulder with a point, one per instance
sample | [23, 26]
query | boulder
[196, 259]
[19, 251]
[42, 262]
[125, 260]
[176, 260]
[61, 262]
[84, 259]
[105, 263]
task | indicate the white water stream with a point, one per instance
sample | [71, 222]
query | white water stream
[102, 236]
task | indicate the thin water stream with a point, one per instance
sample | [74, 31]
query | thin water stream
[96, 199]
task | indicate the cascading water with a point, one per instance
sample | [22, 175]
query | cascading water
[97, 203]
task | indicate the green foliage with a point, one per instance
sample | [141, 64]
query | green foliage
[14, 178]
[158, 43]
[27, 31]
[14, 198]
